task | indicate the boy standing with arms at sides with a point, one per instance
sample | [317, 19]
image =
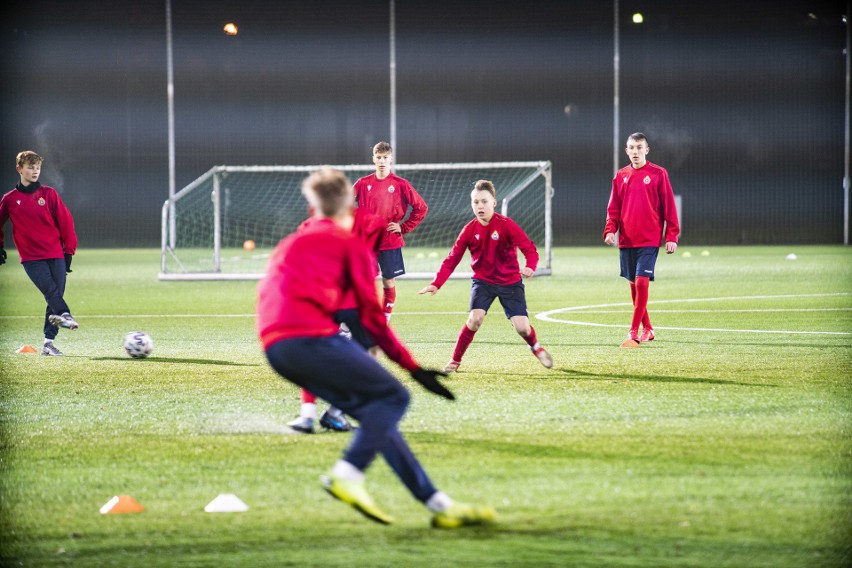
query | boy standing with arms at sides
[642, 210]
[43, 231]
[493, 240]
[296, 326]
[387, 195]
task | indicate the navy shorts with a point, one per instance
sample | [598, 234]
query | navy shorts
[353, 323]
[390, 263]
[512, 297]
[638, 261]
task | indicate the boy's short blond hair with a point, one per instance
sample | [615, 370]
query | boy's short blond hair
[28, 157]
[328, 190]
[485, 185]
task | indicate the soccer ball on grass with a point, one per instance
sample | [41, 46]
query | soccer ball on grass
[138, 344]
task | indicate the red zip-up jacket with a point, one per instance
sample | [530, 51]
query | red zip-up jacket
[493, 251]
[42, 226]
[389, 198]
[306, 280]
[641, 201]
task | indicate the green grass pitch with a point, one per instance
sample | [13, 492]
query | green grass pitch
[725, 442]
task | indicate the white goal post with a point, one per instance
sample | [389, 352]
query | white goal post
[206, 224]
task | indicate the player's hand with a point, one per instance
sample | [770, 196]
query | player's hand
[2, 255]
[527, 272]
[430, 289]
[609, 239]
[671, 246]
[68, 258]
[394, 228]
[429, 379]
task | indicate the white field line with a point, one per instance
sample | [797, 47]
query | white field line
[591, 309]
[548, 315]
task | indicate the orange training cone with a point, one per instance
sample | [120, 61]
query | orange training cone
[122, 504]
[26, 349]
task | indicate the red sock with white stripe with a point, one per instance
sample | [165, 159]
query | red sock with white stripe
[388, 299]
[531, 339]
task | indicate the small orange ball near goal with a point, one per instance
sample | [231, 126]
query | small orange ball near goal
[249, 245]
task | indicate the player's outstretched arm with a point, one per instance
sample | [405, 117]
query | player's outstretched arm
[430, 289]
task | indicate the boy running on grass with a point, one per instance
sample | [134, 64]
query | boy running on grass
[493, 240]
[43, 231]
[296, 326]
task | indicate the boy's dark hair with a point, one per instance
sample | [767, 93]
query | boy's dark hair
[28, 157]
[382, 148]
[485, 185]
[638, 137]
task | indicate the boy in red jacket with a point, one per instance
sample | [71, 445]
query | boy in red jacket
[642, 210]
[493, 240]
[389, 196]
[43, 231]
[307, 278]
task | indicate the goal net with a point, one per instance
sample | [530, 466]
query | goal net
[207, 223]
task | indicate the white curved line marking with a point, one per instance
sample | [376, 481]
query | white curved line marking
[547, 316]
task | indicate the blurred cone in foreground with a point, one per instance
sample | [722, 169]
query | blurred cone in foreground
[122, 504]
[226, 503]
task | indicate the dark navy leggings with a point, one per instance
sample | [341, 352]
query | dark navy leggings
[49, 277]
[340, 372]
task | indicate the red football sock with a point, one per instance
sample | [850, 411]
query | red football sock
[308, 397]
[462, 343]
[646, 321]
[388, 299]
[530, 339]
[640, 302]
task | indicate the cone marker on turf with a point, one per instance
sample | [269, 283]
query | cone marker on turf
[26, 349]
[226, 503]
[122, 504]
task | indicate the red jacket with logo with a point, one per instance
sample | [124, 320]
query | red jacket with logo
[641, 206]
[42, 226]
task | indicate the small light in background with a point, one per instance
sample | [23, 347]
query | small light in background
[638, 18]
[231, 28]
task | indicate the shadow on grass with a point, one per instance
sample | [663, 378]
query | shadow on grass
[177, 360]
[575, 374]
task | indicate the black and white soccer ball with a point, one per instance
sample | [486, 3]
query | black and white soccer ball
[138, 344]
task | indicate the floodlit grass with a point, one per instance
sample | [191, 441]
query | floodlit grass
[716, 445]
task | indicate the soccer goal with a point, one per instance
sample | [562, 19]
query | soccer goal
[225, 224]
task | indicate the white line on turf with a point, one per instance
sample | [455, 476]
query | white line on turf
[548, 315]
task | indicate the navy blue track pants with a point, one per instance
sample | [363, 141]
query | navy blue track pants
[340, 372]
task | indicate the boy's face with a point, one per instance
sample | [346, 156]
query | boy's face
[383, 161]
[29, 172]
[483, 205]
[636, 151]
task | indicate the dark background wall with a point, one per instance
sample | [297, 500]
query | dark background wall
[743, 102]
